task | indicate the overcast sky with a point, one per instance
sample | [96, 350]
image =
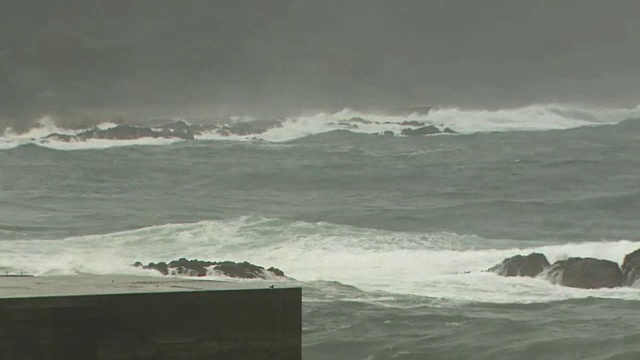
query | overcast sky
[75, 58]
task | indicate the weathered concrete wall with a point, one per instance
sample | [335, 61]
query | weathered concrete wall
[219, 324]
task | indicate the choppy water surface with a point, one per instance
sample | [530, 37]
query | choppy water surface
[388, 235]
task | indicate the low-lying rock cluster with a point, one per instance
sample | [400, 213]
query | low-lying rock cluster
[185, 267]
[584, 273]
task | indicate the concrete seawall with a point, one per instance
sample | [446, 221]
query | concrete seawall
[211, 321]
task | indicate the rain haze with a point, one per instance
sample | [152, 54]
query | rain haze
[82, 61]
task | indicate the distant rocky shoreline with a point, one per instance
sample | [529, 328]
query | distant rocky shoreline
[576, 272]
[182, 130]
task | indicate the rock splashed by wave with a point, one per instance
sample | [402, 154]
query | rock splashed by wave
[419, 121]
[389, 236]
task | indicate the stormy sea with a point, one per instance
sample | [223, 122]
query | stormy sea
[388, 221]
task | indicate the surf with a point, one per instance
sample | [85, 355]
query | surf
[433, 264]
[462, 121]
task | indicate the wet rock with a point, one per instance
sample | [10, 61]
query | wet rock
[631, 268]
[185, 267]
[425, 130]
[412, 123]
[347, 125]
[276, 271]
[178, 126]
[585, 273]
[388, 133]
[123, 132]
[530, 265]
[449, 130]
[360, 120]
[178, 129]
[243, 128]
[60, 137]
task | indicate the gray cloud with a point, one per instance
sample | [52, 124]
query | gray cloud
[83, 59]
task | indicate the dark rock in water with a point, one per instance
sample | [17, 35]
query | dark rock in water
[388, 133]
[161, 267]
[177, 126]
[530, 265]
[243, 270]
[347, 125]
[61, 137]
[585, 273]
[412, 123]
[182, 266]
[631, 268]
[124, 132]
[178, 129]
[448, 130]
[276, 271]
[129, 132]
[249, 127]
[426, 130]
[360, 120]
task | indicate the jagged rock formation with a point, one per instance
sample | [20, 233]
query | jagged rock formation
[425, 130]
[248, 127]
[584, 273]
[412, 123]
[185, 267]
[360, 120]
[182, 130]
[530, 265]
[631, 268]
[125, 132]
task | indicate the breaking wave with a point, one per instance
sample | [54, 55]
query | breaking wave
[439, 265]
[531, 118]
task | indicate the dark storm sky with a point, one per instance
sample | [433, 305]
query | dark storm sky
[75, 58]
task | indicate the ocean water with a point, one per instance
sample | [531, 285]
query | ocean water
[389, 236]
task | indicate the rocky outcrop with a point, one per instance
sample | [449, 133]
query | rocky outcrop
[249, 127]
[180, 129]
[585, 273]
[631, 268]
[185, 267]
[530, 265]
[128, 132]
[175, 130]
[124, 132]
[412, 123]
[425, 130]
[360, 120]
[61, 137]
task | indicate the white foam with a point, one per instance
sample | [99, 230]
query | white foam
[43, 127]
[105, 144]
[530, 118]
[47, 126]
[438, 265]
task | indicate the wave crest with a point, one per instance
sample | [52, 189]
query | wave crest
[434, 121]
[440, 265]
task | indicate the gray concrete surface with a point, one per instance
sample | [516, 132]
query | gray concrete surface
[133, 317]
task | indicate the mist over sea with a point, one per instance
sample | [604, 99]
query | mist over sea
[299, 134]
[389, 235]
